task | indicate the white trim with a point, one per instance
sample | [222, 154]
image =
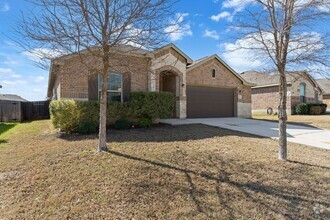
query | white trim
[270, 85]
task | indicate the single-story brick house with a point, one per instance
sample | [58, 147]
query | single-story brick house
[302, 88]
[325, 85]
[204, 88]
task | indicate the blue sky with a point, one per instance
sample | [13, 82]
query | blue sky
[206, 32]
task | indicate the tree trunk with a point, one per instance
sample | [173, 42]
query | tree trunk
[103, 108]
[282, 116]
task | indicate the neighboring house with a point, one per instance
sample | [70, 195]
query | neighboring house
[10, 107]
[325, 85]
[9, 97]
[204, 88]
[302, 88]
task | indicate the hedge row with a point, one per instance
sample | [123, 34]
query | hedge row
[83, 116]
[311, 109]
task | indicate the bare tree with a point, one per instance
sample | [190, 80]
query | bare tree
[282, 33]
[95, 29]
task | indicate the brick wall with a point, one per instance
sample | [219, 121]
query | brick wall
[326, 100]
[74, 75]
[267, 97]
[202, 75]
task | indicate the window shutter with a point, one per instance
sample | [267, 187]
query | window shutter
[93, 88]
[126, 86]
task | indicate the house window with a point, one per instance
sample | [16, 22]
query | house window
[114, 86]
[213, 73]
[302, 92]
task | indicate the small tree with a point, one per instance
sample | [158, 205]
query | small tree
[282, 33]
[95, 29]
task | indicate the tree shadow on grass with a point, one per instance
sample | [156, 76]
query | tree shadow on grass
[281, 201]
[2, 141]
[307, 164]
[4, 127]
[162, 133]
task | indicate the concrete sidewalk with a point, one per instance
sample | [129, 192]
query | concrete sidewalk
[310, 136]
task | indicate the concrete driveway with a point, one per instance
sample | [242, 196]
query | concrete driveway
[310, 136]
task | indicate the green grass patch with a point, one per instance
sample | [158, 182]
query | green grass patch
[5, 128]
[11, 131]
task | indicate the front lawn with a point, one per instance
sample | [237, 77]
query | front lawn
[183, 172]
[4, 128]
[318, 121]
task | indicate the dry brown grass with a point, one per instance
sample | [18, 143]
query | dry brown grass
[318, 121]
[184, 172]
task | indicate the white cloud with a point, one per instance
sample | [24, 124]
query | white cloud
[4, 7]
[324, 8]
[40, 54]
[239, 60]
[237, 5]
[38, 78]
[248, 53]
[9, 62]
[37, 90]
[9, 73]
[5, 70]
[15, 75]
[222, 15]
[178, 30]
[13, 82]
[240, 5]
[212, 34]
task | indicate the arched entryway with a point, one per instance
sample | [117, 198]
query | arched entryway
[169, 81]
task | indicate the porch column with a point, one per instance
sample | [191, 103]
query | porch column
[152, 82]
[182, 102]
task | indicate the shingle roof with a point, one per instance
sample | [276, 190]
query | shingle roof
[10, 97]
[132, 49]
[262, 79]
[198, 61]
[325, 85]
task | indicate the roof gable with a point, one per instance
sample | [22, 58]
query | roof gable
[325, 85]
[176, 49]
[11, 97]
[263, 79]
[201, 61]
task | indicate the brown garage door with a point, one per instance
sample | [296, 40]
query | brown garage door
[207, 102]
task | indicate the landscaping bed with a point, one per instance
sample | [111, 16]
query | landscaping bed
[183, 172]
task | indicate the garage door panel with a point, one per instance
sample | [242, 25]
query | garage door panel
[208, 102]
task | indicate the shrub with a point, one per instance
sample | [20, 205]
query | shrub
[311, 108]
[144, 123]
[68, 114]
[83, 116]
[152, 105]
[321, 105]
[302, 109]
[87, 128]
[122, 124]
[117, 110]
[315, 110]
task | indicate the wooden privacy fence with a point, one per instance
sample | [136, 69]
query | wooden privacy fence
[10, 110]
[23, 111]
